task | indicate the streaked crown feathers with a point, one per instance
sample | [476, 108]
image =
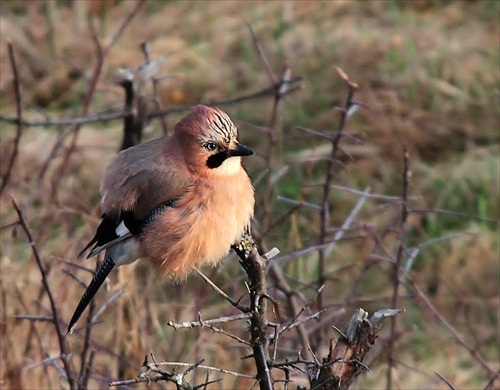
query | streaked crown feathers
[205, 122]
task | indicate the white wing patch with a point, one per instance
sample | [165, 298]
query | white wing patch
[121, 230]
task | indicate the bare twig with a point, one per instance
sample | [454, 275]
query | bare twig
[32, 332]
[293, 306]
[476, 354]
[230, 335]
[300, 203]
[176, 378]
[118, 33]
[301, 321]
[222, 293]
[283, 218]
[84, 379]
[101, 310]
[299, 313]
[398, 263]
[364, 194]
[329, 173]
[348, 221]
[217, 369]
[48, 290]
[448, 383]
[202, 323]
[285, 257]
[44, 362]
[74, 277]
[262, 54]
[107, 116]
[33, 318]
[493, 382]
[93, 118]
[272, 144]
[454, 214]
[59, 142]
[19, 115]
[156, 90]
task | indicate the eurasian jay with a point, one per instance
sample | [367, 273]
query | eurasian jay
[179, 202]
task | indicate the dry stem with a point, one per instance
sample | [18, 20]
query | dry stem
[19, 116]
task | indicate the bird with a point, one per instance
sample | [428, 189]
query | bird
[178, 202]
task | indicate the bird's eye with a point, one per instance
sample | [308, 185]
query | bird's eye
[210, 146]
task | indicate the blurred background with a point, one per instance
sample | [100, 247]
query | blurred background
[429, 79]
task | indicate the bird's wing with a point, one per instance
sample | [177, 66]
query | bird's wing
[142, 177]
[138, 183]
[108, 233]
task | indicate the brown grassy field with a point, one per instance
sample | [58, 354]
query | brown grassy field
[429, 79]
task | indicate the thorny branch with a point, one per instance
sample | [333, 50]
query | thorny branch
[202, 323]
[163, 375]
[329, 174]
[255, 267]
[217, 369]
[275, 272]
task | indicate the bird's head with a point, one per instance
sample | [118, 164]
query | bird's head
[210, 141]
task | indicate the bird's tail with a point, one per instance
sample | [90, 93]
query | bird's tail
[97, 281]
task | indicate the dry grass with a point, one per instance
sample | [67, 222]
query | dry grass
[429, 73]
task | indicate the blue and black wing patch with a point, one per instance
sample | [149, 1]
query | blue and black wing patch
[110, 233]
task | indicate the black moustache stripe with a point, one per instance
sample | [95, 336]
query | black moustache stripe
[216, 160]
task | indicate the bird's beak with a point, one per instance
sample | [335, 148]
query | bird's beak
[241, 150]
